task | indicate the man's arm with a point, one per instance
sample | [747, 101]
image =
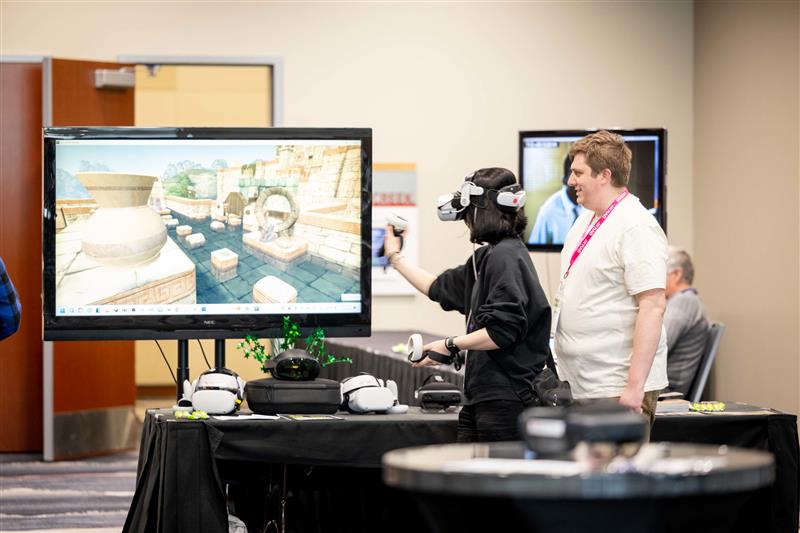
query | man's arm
[646, 335]
[676, 320]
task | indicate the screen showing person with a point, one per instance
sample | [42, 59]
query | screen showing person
[215, 226]
[544, 170]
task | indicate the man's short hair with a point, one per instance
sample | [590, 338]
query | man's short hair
[679, 258]
[602, 150]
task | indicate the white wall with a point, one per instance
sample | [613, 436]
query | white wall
[447, 86]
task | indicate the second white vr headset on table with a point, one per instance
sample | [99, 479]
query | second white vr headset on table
[453, 206]
[365, 393]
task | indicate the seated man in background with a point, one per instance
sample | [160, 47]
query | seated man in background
[685, 322]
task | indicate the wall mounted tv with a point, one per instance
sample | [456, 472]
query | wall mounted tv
[544, 169]
[158, 233]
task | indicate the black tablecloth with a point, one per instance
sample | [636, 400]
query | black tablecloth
[183, 465]
[776, 433]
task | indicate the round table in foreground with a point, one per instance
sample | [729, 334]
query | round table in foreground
[492, 487]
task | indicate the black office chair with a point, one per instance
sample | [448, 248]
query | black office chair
[715, 332]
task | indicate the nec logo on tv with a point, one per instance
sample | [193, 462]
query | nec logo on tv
[208, 322]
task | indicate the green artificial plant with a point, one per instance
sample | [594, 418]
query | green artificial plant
[315, 345]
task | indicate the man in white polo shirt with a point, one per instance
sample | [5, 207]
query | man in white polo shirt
[607, 318]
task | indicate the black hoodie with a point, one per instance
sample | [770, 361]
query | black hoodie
[509, 302]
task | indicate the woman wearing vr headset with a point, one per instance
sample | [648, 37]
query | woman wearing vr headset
[498, 291]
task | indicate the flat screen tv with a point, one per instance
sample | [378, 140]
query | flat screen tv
[181, 233]
[544, 170]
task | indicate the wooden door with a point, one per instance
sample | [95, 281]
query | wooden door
[20, 247]
[89, 388]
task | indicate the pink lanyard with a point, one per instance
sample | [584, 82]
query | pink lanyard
[587, 235]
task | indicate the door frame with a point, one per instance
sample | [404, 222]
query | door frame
[276, 104]
[47, 394]
[273, 62]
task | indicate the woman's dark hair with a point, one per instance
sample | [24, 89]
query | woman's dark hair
[493, 223]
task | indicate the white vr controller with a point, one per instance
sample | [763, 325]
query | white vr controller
[398, 223]
[416, 353]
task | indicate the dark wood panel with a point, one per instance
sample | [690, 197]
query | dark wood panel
[76, 102]
[90, 375]
[20, 247]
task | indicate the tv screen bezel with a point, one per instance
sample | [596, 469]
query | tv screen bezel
[148, 327]
[661, 187]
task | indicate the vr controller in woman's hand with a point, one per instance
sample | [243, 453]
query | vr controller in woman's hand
[417, 354]
[399, 225]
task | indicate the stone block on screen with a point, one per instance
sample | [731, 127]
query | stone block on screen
[270, 289]
[283, 248]
[217, 226]
[171, 223]
[195, 240]
[234, 221]
[224, 259]
[183, 231]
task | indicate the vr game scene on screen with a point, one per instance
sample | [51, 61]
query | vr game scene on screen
[172, 226]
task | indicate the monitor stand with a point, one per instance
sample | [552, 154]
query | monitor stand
[183, 363]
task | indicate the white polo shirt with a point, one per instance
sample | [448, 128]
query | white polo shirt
[594, 338]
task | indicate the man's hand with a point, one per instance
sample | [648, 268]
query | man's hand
[435, 346]
[632, 398]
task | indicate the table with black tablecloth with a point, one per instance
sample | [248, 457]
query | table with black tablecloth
[748, 427]
[186, 467]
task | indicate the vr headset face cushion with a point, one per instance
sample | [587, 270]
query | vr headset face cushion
[295, 365]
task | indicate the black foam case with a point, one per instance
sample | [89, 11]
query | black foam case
[270, 396]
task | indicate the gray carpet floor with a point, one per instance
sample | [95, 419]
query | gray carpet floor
[84, 495]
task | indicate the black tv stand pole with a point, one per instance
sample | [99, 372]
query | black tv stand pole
[219, 353]
[183, 366]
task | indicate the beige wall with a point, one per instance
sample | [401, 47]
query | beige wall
[447, 86]
[747, 172]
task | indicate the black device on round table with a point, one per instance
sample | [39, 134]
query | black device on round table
[555, 430]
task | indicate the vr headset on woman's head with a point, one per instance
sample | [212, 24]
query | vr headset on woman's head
[453, 206]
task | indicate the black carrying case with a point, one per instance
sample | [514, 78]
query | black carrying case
[270, 396]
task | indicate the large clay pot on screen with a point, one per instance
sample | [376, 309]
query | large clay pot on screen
[124, 230]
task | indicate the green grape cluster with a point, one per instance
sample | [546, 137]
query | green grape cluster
[707, 407]
[194, 415]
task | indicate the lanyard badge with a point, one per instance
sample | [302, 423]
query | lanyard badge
[588, 233]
